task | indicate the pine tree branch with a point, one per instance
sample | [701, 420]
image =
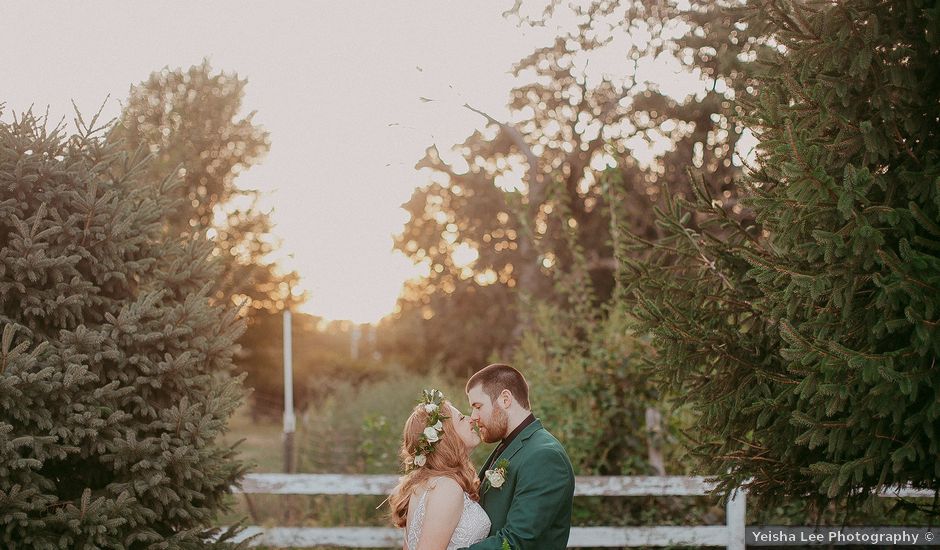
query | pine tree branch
[789, 24]
[852, 24]
[804, 25]
[710, 264]
[904, 145]
[739, 457]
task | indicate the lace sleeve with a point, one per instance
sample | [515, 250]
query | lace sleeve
[413, 529]
[473, 527]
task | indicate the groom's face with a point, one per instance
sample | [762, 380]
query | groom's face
[488, 416]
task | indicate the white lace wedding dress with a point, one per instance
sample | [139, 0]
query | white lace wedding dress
[473, 526]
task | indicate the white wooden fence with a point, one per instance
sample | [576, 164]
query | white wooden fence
[730, 535]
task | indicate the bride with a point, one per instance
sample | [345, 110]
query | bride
[436, 500]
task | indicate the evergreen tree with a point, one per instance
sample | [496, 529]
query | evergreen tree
[807, 342]
[114, 364]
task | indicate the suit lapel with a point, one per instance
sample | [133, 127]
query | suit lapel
[520, 440]
[508, 452]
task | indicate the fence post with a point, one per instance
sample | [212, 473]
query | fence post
[735, 517]
[289, 419]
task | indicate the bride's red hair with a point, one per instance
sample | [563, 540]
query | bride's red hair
[449, 458]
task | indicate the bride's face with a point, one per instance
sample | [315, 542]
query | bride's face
[464, 428]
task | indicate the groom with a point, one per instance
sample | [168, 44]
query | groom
[527, 483]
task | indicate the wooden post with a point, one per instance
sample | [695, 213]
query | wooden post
[290, 420]
[654, 437]
[736, 516]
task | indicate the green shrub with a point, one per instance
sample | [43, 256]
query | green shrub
[357, 428]
[113, 360]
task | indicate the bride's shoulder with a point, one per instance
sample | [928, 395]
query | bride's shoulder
[444, 487]
[443, 483]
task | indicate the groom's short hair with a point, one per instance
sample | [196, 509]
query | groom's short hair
[498, 377]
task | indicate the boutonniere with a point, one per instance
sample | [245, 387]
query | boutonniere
[497, 474]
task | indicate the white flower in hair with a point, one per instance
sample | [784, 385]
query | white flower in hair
[432, 402]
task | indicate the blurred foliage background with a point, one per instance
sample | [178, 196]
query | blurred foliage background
[522, 229]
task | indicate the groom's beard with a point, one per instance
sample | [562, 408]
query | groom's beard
[495, 429]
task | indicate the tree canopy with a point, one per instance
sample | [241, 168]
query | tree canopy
[190, 121]
[516, 187]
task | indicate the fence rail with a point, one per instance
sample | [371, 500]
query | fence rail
[730, 535]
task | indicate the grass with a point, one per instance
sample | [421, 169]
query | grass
[263, 444]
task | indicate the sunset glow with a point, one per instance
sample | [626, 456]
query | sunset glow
[339, 87]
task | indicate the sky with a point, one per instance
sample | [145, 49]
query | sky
[337, 84]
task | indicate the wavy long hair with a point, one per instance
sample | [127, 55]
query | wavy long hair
[449, 458]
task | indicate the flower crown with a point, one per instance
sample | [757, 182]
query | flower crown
[433, 401]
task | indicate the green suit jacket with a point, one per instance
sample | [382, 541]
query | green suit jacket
[532, 508]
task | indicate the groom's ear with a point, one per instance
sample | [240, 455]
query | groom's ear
[506, 398]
